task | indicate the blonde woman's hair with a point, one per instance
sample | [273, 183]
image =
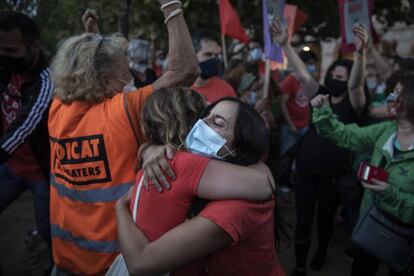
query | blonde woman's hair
[81, 62]
[170, 113]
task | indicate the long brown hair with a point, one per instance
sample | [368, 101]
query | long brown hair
[405, 100]
[169, 114]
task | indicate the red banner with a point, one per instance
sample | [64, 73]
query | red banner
[230, 22]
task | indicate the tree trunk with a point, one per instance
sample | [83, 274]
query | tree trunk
[123, 23]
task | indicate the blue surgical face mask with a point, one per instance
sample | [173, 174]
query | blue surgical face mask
[256, 54]
[311, 68]
[252, 98]
[209, 68]
[203, 140]
[392, 97]
[139, 67]
[372, 84]
[160, 62]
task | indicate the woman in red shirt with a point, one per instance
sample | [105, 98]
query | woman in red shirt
[241, 137]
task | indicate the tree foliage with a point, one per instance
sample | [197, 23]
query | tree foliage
[59, 19]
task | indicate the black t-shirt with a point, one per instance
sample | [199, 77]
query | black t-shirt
[318, 154]
[151, 77]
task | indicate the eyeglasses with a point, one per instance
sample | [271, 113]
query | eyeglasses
[102, 39]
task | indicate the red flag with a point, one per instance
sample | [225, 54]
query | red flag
[295, 18]
[230, 22]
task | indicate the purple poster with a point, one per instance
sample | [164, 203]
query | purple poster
[272, 9]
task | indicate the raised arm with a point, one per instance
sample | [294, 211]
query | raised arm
[222, 180]
[182, 245]
[381, 66]
[279, 34]
[357, 77]
[90, 20]
[183, 65]
[350, 136]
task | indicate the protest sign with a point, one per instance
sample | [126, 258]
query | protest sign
[351, 12]
[272, 9]
[355, 11]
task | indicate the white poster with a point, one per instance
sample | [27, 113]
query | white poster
[355, 11]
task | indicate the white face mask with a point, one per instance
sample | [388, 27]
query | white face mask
[203, 140]
[256, 54]
[371, 84]
[392, 97]
[139, 67]
[160, 62]
[129, 86]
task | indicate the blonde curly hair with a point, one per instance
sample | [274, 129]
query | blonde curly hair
[80, 63]
[169, 114]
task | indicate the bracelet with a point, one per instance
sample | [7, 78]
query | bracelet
[173, 14]
[171, 3]
[140, 156]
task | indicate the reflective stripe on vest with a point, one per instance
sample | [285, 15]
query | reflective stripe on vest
[93, 159]
[98, 246]
[93, 195]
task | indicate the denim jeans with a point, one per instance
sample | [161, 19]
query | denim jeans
[12, 186]
[288, 138]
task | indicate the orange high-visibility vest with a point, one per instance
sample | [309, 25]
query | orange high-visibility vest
[93, 157]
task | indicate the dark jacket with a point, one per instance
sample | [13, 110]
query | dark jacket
[31, 122]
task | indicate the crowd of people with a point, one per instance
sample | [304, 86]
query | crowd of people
[149, 162]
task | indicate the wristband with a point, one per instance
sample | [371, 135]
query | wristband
[173, 14]
[171, 3]
[140, 156]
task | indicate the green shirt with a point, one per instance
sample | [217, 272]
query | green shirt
[377, 140]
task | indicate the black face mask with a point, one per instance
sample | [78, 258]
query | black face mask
[209, 68]
[337, 87]
[16, 65]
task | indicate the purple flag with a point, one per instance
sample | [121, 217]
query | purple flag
[272, 9]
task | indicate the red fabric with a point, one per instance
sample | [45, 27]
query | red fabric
[158, 70]
[250, 225]
[215, 89]
[22, 162]
[298, 103]
[173, 205]
[295, 18]
[349, 48]
[230, 22]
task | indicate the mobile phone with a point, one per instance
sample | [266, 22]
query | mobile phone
[367, 172]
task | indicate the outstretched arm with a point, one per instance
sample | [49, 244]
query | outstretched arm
[222, 180]
[381, 66]
[351, 136]
[183, 65]
[279, 34]
[357, 77]
[182, 245]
